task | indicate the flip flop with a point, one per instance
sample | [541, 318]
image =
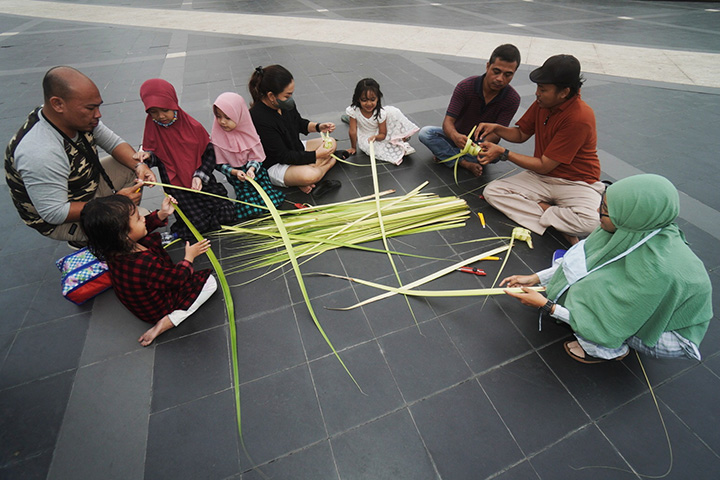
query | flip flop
[589, 359]
[325, 187]
[342, 154]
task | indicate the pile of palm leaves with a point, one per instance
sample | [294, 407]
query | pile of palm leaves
[314, 230]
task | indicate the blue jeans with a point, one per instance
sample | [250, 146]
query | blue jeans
[441, 146]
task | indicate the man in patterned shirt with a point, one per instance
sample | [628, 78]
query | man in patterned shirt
[52, 166]
[488, 98]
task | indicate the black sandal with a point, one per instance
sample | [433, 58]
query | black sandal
[325, 187]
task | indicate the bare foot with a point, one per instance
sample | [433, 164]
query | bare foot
[474, 168]
[307, 188]
[163, 325]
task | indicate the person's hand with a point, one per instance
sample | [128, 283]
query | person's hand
[489, 152]
[141, 155]
[322, 153]
[484, 129]
[196, 184]
[530, 297]
[240, 175]
[143, 173]
[327, 127]
[351, 151]
[460, 141]
[372, 139]
[192, 251]
[167, 208]
[251, 173]
[133, 192]
[520, 280]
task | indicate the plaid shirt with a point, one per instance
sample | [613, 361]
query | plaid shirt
[149, 284]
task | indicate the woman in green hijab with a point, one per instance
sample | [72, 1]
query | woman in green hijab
[633, 283]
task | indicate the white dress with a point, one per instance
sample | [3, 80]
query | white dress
[393, 147]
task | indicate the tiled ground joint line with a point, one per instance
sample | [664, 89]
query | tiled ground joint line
[675, 66]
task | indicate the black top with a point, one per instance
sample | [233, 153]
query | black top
[279, 135]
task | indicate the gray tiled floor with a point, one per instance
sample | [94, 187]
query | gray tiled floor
[473, 390]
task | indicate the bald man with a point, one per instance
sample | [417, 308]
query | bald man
[52, 166]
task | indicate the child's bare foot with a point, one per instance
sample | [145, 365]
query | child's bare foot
[163, 325]
[474, 168]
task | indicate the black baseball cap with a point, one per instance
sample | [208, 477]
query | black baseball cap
[558, 70]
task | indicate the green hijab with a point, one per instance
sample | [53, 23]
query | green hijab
[659, 287]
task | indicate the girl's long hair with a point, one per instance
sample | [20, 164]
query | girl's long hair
[274, 78]
[106, 222]
[368, 85]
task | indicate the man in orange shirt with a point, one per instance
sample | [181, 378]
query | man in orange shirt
[561, 185]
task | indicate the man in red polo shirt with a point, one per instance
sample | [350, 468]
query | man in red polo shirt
[560, 186]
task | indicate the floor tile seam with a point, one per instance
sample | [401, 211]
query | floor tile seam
[296, 36]
[577, 430]
[45, 323]
[688, 427]
[39, 379]
[184, 403]
[428, 452]
[170, 341]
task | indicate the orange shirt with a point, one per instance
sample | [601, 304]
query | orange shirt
[566, 134]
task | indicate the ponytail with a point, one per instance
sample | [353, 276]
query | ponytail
[274, 78]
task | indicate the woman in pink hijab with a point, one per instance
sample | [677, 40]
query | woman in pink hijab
[180, 147]
[239, 155]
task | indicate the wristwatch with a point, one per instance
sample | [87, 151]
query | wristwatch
[548, 307]
[504, 156]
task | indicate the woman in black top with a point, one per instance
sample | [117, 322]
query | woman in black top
[289, 162]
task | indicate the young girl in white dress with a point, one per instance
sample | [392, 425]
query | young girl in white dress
[386, 126]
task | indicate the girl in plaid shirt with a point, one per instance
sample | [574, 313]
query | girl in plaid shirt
[143, 275]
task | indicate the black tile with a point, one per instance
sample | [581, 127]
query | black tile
[311, 463]
[15, 302]
[50, 305]
[586, 454]
[107, 420]
[342, 328]
[483, 340]
[597, 388]
[194, 440]
[389, 448]
[34, 468]
[190, 367]
[636, 432]
[31, 415]
[692, 392]
[268, 343]
[423, 360]
[344, 405]
[29, 267]
[554, 412]
[395, 312]
[457, 426]
[41, 351]
[280, 414]
[521, 471]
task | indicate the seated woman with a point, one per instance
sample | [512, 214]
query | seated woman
[289, 162]
[633, 283]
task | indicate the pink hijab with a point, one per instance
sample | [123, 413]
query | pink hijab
[179, 146]
[242, 144]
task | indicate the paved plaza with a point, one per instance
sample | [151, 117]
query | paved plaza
[472, 390]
